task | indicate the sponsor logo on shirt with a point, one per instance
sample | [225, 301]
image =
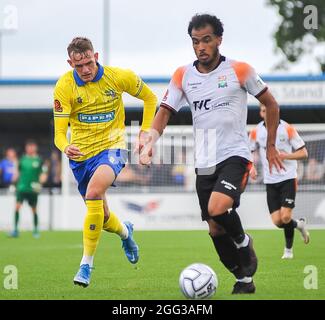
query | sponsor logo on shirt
[96, 118]
[222, 104]
[194, 85]
[201, 104]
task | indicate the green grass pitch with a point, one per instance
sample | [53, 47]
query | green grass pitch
[46, 266]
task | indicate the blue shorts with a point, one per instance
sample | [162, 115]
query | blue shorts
[83, 171]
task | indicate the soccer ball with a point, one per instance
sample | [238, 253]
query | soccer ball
[198, 281]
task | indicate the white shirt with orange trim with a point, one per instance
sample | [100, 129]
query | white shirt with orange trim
[218, 101]
[287, 140]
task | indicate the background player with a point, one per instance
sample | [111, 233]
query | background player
[31, 175]
[90, 98]
[216, 89]
[281, 186]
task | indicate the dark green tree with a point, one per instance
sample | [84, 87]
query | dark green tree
[302, 29]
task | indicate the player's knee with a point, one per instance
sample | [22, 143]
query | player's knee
[94, 193]
[277, 221]
[286, 218]
[216, 209]
[286, 215]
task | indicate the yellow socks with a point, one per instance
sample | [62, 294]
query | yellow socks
[92, 226]
[114, 225]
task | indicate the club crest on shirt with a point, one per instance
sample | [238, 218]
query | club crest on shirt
[35, 164]
[110, 93]
[57, 106]
[222, 82]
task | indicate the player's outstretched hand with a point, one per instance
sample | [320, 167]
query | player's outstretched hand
[141, 140]
[146, 155]
[253, 173]
[73, 152]
[36, 186]
[274, 159]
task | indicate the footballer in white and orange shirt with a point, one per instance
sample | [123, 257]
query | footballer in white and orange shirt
[281, 186]
[287, 141]
[218, 102]
[215, 87]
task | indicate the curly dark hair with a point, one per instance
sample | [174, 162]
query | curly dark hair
[201, 20]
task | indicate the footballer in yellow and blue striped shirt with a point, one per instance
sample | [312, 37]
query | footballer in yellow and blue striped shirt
[89, 98]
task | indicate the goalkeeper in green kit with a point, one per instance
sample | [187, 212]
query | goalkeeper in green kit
[32, 174]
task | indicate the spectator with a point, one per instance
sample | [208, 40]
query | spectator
[8, 168]
[55, 170]
[183, 171]
[179, 175]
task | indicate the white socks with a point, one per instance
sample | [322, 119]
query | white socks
[125, 232]
[87, 260]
